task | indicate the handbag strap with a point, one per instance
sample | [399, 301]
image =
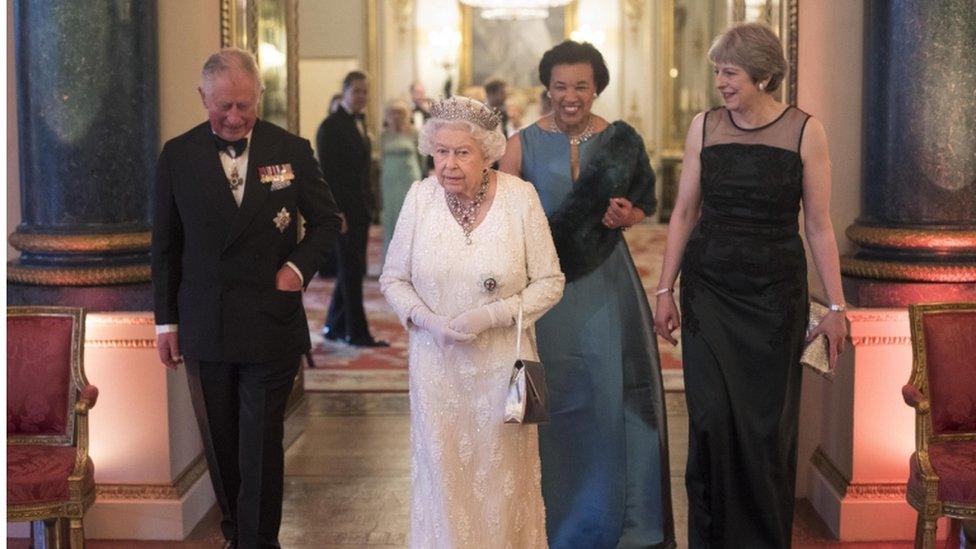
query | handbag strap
[518, 331]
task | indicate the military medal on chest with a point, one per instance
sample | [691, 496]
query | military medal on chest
[276, 176]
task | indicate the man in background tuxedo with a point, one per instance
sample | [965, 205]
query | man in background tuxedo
[344, 152]
[496, 92]
[228, 272]
[419, 114]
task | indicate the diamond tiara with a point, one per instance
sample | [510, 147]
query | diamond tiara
[463, 108]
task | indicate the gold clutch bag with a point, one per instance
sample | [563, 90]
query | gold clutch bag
[816, 355]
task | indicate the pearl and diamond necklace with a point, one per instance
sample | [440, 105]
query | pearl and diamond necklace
[465, 213]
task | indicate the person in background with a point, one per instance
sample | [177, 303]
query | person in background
[344, 152]
[496, 92]
[400, 164]
[734, 236]
[419, 113]
[595, 180]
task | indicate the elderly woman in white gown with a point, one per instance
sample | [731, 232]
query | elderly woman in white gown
[470, 245]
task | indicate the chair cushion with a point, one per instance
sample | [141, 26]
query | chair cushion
[38, 374]
[950, 345]
[955, 463]
[39, 474]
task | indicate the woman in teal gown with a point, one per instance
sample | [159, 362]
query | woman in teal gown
[605, 475]
[400, 165]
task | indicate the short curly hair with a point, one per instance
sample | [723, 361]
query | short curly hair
[755, 48]
[492, 141]
[571, 52]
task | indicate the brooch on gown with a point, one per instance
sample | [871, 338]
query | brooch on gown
[489, 283]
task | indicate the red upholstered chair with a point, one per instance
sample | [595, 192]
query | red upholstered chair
[50, 478]
[942, 389]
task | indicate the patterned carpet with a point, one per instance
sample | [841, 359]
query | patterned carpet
[340, 367]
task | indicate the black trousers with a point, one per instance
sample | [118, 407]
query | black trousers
[240, 409]
[346, 316]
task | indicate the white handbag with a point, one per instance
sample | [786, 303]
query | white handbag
[528, 399]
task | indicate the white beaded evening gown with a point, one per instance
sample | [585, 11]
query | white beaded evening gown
[475, 479]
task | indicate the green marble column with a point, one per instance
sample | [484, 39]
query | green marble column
[917, 230]
[88, 131]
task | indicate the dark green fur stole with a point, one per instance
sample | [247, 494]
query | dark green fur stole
[619, 168]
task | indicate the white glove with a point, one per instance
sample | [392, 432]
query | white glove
[437, 326]
[493, 315]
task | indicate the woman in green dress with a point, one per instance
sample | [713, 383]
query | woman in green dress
[400, 164]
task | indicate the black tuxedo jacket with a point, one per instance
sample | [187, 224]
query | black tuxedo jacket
[345, 160]
[214, 263]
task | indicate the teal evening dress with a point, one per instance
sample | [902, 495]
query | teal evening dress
[605, 474]
[400, 168]
[744, 312]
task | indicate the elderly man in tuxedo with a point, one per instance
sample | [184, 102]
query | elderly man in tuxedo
[228, 271]
[344, 151]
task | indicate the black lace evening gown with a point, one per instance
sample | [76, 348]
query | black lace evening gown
[744, 308]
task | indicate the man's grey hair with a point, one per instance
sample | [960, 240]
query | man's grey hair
[230, 60]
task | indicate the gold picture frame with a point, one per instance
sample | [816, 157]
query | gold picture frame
[472, 75]
[678, 107]
[269, 30]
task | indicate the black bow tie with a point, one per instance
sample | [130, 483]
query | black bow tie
[360, 116]
[222, 144]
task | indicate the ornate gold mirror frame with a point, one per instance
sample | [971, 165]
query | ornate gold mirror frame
[678, 106]
[269, 30]
[469, 19]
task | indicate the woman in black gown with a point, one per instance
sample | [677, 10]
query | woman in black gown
[734, 235]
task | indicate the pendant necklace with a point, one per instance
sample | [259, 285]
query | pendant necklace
[581, 137]
[466, 213]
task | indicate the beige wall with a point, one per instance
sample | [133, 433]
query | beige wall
[189, 31]
[831, 91]
[331, 28]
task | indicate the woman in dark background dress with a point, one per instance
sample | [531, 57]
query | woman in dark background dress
[747, 168]
[605, 476]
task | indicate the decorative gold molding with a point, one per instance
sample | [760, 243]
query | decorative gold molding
[101, 319]
[791, 24]
[634, 15]
[877, 491]
[120, 344]
[633, 115]
[911, 272]
[867, 315]
[80, 243]
[843, 487]
[85, 276]
[922, 239]
[291, 29]
[403, 15]
[239, 27]
[184, 481]
[373, 53]
[862, 341]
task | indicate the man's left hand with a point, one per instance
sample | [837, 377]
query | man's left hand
[287, 280]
